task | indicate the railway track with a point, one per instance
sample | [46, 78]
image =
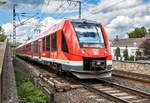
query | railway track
[100, 90]
[118, 93]
[112, 91]
[132, 76]
[115, 92]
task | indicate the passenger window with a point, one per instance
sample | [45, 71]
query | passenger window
[64, 43]
[29, 47]
[34, 47]
[44, 44]
[54, 42]
[48, 43]
[37, 46]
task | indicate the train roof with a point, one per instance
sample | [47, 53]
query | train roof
[55, 28]
[83, 21]
[51, 30]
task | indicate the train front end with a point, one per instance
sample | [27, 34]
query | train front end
[90, 45]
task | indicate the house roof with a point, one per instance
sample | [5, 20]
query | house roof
[129, 42]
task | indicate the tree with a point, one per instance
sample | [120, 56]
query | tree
[138, 33]
[2, 2]
[125, 54]
[146, 47]
[138, 53]
[2, 35]
[149, 31]
[29, 38]
[117, 53]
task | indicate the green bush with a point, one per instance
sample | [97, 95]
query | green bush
[27, 92]
[2, 37]
[131, 58]
[139, 58]
[125, 54]
[117, 53]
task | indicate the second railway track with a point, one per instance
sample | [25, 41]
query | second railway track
[144, 79]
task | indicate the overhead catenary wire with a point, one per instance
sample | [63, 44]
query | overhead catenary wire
[60, 6]
[61, 13]
[69, 3]
[93, 13]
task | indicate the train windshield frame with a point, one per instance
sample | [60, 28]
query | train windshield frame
[89, 35]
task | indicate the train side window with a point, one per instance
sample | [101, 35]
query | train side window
[29, 47]
[44, 44]
[37, 46]
[24, 48]
[48, 43]
[54, 42]
[64, 43]
[34, 47]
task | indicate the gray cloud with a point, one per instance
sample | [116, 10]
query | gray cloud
[120, 16]
[30, 4]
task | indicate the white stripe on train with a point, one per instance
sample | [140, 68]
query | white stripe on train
[67, 62]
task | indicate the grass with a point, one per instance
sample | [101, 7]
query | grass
[27, 92]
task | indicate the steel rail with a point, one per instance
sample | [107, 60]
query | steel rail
[132, 76]
[105, 95]
[131, 90]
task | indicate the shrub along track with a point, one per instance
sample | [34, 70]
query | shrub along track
[99, 90]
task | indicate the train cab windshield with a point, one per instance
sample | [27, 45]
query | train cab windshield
[89, 35]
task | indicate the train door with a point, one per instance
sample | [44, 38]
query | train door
[39, 48]
[48, 45]
[54, 45]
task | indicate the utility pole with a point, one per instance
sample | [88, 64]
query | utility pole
[14, 29]
[10, 37]
[80, 6]
[79, 9]
[14, 24]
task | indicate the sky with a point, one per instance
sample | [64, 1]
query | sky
[119, 17]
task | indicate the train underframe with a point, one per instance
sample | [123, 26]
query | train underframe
[91, 68]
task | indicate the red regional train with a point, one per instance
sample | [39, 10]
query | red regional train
[77, 46]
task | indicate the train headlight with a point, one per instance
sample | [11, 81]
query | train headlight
[43, 54]
[105, 51]
[98, 62]
[83, 51]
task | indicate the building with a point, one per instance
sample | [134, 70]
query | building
[132, 44]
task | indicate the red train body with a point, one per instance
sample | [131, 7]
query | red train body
[77, 46]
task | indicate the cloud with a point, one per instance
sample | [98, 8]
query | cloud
[59, 6]
[119, 16]
[22, 31]
[46, 6]
[28, 29]
[49, 22]
[120, 21]
[8, 28]
[30, 4]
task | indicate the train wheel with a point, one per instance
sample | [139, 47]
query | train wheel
[59, 70]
